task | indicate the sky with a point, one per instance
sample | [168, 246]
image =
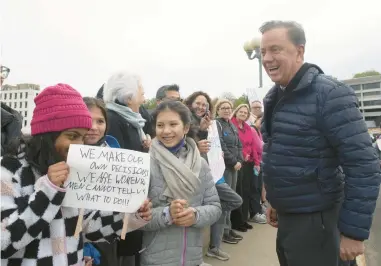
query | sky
[197, 44]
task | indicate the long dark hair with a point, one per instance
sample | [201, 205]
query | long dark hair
[189, 101]
[182, 110]
[39, 150]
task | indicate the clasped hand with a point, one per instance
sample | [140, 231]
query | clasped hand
[181, 214]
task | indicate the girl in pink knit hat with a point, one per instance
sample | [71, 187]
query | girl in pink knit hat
[36, 229]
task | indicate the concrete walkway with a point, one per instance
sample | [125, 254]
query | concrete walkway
[257, 248]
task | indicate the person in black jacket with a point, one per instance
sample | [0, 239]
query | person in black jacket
[321, 173]
[123, 95]
[148, 129]
[11, 124]
[11, 120]
[232, 149]
[200, 105]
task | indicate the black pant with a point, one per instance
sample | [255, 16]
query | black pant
[309, 239]
[256, 195]
[240, 215]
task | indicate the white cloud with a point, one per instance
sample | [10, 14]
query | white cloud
[197, 44]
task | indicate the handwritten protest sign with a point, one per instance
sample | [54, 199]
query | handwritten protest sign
[215, 155]
[106, 179]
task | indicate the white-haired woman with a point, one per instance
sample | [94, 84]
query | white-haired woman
[123, 94]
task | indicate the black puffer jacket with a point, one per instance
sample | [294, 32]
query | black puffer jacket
[230, 143]
[316, 147]
[11, 124]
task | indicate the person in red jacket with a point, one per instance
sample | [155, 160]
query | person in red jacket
[239, 217]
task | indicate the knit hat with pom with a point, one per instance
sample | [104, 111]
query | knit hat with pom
[58, 108]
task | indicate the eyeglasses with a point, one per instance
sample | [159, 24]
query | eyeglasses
[225, 108]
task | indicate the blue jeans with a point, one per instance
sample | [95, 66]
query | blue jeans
[230, 200]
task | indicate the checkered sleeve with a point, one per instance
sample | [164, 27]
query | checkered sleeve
[100, 225]
[24, 216]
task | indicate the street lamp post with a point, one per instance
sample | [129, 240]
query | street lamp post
[252, 49]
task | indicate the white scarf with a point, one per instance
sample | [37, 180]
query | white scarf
[181, 174]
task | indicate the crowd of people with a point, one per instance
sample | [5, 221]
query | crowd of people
[307, 153]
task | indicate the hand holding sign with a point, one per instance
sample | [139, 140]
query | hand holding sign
[58, 173]
[145, 211]
[203, 146]
[108, 179]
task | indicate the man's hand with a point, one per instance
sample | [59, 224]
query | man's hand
[185, 218]
[272, 217]
[350, 248]
[203, 146]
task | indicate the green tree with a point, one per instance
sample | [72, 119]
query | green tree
[241, 100]
[367, 73]
[150, 104]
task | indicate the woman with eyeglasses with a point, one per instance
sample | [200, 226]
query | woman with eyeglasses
[232, 149]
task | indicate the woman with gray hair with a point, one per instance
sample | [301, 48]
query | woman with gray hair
[123, 94]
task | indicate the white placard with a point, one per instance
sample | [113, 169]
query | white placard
[252, 95]
[215, 155]
[107, 179]
[379, 143]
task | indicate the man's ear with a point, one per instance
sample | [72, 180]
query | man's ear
[301, 50]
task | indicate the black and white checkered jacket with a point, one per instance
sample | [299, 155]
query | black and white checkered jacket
[36, 230]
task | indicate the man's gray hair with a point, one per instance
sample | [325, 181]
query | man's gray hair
[295, 30]
[121, 86]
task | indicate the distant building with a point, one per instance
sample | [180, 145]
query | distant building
[368, 91]
[20, 97]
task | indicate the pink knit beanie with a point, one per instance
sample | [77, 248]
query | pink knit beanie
[58, 108]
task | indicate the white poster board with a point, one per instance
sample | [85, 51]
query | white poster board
[215, 155]
[252, 95]
[107, 179]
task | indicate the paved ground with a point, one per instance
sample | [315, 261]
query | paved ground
[257, 248]
[373, 246]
